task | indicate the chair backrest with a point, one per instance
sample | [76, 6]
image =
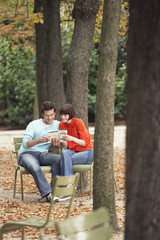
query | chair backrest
[89, 227]
[17, 143]
[63, 186]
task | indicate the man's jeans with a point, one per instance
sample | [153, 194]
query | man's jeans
[69, 158]
[32, 162]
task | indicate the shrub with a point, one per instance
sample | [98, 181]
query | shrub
[17, 83]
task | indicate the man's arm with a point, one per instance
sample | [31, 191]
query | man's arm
[31, 143]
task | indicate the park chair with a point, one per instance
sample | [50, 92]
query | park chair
[89, 168]
[45, 169]
[81, 169]
[22, 170]
[63, 186]
[89, 227]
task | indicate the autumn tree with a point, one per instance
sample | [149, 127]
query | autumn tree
[143, 122]
[103, 183]
[84, 14]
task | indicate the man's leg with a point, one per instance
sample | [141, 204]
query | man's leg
[30, 160]
[53, 160]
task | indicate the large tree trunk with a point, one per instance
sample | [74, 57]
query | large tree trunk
[79, 56]
[103, 187]
[53, 53]
[143, 122]
[49, 56]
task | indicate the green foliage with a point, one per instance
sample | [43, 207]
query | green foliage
[17, 83]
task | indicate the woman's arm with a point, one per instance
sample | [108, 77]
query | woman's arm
[74, 139]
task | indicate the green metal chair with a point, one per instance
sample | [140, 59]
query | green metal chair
[81, 169]
[89, 168]
[89, 227]
[22, 170]
[63, 186]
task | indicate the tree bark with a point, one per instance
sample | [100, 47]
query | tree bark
[53, 53]
[49, 55]
[79, 56]
[143, 122]
[103, 183]
[41, 88]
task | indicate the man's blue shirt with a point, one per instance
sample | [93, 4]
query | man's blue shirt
[34, 130]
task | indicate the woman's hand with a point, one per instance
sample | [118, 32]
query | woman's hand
[74, 139]
[55, 142]
[67, 138]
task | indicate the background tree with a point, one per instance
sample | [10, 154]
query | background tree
[143, 122]
[78, 62]
[49, 54]
[17, 30]
[103, 183]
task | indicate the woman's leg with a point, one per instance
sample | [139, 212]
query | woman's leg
[66, 158]
[85, 157]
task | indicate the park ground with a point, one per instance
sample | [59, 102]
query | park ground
[14, 209]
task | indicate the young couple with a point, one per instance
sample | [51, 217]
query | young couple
[34, 149]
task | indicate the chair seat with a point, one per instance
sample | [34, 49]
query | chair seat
[30, 222]
[83, 168]
[45, 169]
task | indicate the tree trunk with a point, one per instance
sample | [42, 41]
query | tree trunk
[49, 55]
[53, 53]
[41, 88]
[79, 56]
[103, 183]
[143, 122]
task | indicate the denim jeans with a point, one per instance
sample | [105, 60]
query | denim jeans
[69, 158]
[32, 162]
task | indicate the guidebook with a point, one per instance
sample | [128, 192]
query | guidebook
[57, 134]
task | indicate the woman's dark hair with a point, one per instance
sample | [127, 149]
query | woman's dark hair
[47, 105]
[67, 109]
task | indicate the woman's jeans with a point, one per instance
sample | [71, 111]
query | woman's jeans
[32, 162]
[69, 158]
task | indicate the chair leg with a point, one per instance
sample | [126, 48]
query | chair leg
[1, 235]
[22, 187]
[23, 233]
[115, 182]
[91, 176]
[41, 234]
[15, 183]
[81, 181]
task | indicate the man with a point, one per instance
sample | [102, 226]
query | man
[34, 149]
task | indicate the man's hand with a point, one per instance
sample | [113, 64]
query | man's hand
[31, 143]
[43, 139]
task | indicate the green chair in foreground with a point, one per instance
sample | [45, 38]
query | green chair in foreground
[63, 186]
[89, 227]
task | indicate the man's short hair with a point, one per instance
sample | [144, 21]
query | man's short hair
[67, 109]
[47, 105]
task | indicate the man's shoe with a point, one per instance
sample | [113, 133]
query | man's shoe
[48, 197]
[56, 199]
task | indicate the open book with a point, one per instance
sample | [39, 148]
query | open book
[57, 134]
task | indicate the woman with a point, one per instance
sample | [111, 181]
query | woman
[78, 141]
